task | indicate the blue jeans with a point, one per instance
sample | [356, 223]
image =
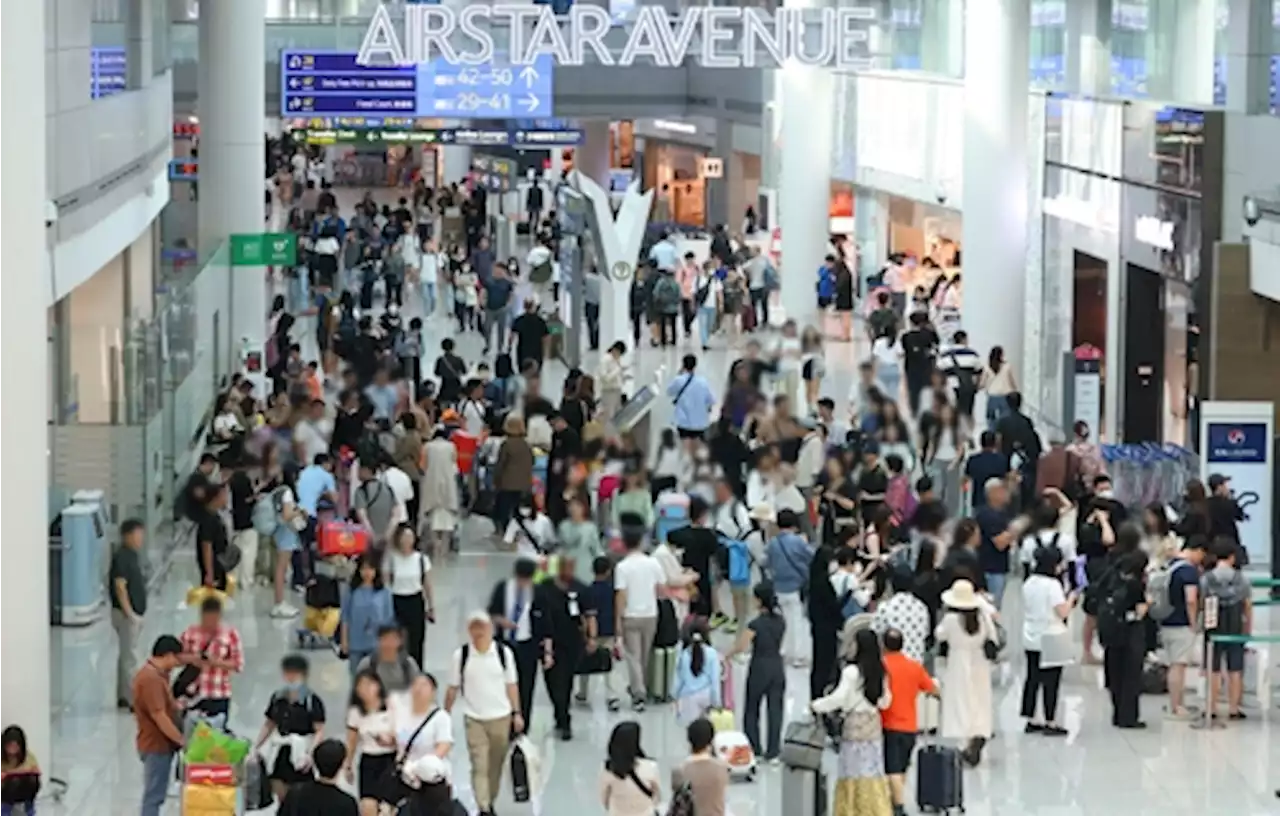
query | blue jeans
[706, 321]
[428, 297]
[995, 586]
[157, 768]
[890, 378]
[300, 291]
[27, 809]
[353, 661]
[997, 409]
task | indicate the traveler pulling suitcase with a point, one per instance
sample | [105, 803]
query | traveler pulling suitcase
[804, 792]
[662, 672]
[939, 777]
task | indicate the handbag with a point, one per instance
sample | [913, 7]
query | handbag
[862, 724]
[184, 683]
[996, 640]
[230, 557]
[598, 662]
[1056, 648]
[394, 789]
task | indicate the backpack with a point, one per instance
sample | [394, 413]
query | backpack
[1111, 608]
[682, 803]
[883, 323]
[849, 605]
[666, 295]
[966, 378]
[771, 283]
[266, 516]
[739, 571]
[466, 655]
[1158, 588]
[541, 273]
[393, 267]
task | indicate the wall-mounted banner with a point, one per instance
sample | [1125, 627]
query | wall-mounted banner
[1236, 440]
[715, 36]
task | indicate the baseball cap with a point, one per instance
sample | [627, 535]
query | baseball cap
[871, 446]
[1217, 480]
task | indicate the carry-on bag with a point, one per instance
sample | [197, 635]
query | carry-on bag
[662, 672]
[342, 538]
[804, 792]
[939, 777]
[803, 743]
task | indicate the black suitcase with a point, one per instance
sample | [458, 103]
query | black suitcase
[939, 779]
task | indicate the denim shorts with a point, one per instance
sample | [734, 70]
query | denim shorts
[1230, 654]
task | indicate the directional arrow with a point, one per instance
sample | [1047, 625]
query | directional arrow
[530, 75]
[293, 82]
[531, 102]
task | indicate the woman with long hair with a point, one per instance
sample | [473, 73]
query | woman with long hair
[825, 618]
[697, 684]
[424, 738]
[371, 734]
[1158, 539]
[964, 634]
[766, 674]
[862, 788]
[409, 577]
[366, 610]
[998, 381]
[630, 783]
[944, 450]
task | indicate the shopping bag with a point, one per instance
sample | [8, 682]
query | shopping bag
[524, 769]
[342, 538]
[256, 785]
[598, 662]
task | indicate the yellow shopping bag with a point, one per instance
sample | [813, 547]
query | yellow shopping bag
[209, 800]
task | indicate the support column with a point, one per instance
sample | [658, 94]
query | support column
[456, 164]
[591, 158]
[24, 574]
[718, 211]
[1180, 39]
[1249, 37]
[805, 107]
[1088, 47]
[232, 167]
[995, 173]
[138, 48]
[942, 37]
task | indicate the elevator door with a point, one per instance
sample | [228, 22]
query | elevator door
[1143, 355]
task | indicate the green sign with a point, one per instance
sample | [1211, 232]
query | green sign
[264, 249]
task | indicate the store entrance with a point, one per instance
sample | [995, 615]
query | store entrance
[1143, 355]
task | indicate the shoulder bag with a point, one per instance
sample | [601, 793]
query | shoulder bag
[395, 790]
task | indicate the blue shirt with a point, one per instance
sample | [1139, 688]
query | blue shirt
[384, 399]
[601, 595]
[789, 556]
[313, 481]
[693, 404]
[663, 254]
[991, 523]
[497, 293]
[688, 684]
[365, 611]
[1184, 575]
[981, 467]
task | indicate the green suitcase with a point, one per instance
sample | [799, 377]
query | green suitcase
[662, 673]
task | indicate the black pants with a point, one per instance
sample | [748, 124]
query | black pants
[411, 367]
[667, 330]
[637, 325]
[559, 682]
[825, 664]
[917, 382]
[1038, 679]
[366, 296]
[767, 683]
[1122, 667]
[528, 653]
[689, 314]
[593, 324]
[213, 708]
[760, 302]
[411, 614]
[657, 484]
[506, 504]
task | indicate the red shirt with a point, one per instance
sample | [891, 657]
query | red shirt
[224, 646]
[907, 680]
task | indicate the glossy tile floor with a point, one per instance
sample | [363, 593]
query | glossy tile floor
[1168, 770]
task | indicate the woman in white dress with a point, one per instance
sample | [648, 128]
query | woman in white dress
[789, 356]
[438, 494]
[963, 634]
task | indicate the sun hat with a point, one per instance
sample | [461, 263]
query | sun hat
[961, 596]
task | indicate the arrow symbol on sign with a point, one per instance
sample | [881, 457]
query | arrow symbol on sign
[293, 82]
[531, 102]
[529, 74]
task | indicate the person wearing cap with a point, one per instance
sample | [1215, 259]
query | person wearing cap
[155, 712]
[483, 677]
[788, 555]
[967, 624]
[1224, 512]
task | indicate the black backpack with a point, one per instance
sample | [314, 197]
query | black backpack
[1110, 609]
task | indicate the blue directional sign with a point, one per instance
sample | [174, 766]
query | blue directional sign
[331, 83]
[184, 169]
[108, 71]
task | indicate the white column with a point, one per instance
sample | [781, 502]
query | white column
[232, 158]
[995, 173]
[138, 41]
[1197, 25]
[455, 159]
[1088, 47]
[591, 159]
[24, 358]
[806, 97]
[942, 37]
[1249, 38]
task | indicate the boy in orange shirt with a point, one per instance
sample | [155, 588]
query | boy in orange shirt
[907, 680]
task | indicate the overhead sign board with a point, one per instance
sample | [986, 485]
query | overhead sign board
[712, 167]
[333, 83]
[472, 137]
[494, 173]
[264, 249]
[184, 169]
[108, 71]
[715, 36]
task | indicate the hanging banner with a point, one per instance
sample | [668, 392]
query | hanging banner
[1236, 438]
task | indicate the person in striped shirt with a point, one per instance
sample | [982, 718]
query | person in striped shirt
[962, 367]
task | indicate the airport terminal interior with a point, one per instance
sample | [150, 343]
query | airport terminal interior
[1079, 199]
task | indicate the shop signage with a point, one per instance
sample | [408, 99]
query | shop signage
[1236, 440]
[1152, 231]
[1086, 391]
[467, 137]
[264, 249]
[712, 167]
[184, 169]
[718, 37]
[338, 84]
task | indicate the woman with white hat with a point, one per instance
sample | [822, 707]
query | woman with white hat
[967, 637]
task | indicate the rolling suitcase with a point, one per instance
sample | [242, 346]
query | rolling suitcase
[939, 776]
[804, 792]
[662, 672]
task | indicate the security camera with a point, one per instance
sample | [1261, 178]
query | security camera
[50, 214]
[941, 196]
[1258, 207]
[1252, 212]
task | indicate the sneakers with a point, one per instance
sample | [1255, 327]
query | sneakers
[637, 704]
[718, 619]
[580, 700]
[283, 610]
[1053, 731]
[1033, 728]
[615, 705]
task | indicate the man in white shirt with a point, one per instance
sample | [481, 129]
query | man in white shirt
[663, 254]
[311, 435]
[483, 675]
[636, 579]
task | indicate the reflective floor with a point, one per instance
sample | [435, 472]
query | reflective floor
[1167, 770]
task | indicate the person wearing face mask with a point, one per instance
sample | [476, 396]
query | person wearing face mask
[564, 620]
